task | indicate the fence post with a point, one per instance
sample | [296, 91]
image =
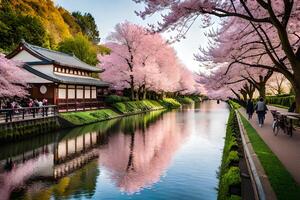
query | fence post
[23, 114]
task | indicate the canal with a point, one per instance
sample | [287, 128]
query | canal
[158, 155]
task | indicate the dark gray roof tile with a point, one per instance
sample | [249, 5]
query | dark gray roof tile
[61, 58]
[66, 79]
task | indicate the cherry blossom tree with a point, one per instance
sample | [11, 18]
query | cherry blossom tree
[143, 61]
[12, 81]
[274, 24]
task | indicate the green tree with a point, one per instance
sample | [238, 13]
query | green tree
[15, 26]
[81, 47]
[88, 26]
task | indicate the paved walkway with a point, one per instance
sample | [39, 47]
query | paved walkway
[286, 148]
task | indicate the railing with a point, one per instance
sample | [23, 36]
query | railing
[74, 105]
[26, 113]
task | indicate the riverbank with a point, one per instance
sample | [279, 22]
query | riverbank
[116, 110]
[229, 174]
[235, 177]
[277, 155]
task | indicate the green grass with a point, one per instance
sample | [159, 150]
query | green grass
[184, 100]
[137, 106]
[170, 103]
[281, 180]
[87, 117]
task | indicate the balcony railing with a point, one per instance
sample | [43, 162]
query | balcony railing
[75, 105]
[27, 113]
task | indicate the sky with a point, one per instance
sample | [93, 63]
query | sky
[108, 13]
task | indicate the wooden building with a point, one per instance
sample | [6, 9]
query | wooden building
[61, 78]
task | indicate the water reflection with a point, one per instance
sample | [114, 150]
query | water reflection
[138, 159]
[158, 155]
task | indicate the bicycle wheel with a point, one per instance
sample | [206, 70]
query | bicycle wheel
[275, 128]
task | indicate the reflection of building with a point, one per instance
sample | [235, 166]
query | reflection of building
[63, 79]
[73, 153]
[51, 163]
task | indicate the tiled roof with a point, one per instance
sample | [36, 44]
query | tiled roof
[60, 58]
[65, 79]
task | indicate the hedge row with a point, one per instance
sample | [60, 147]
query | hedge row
[115, 99]
[229, 174]
[280, 100]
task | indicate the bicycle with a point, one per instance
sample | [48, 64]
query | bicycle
[278, 123]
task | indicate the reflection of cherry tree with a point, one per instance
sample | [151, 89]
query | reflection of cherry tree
[19, 175]
[137, 160]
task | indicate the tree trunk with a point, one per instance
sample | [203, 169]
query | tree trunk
[131, 87]
[144, 94]
[296, 86]
[262, 89]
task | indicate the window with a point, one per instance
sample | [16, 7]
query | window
[71, 71]
[59, 69]
[79, 92]
[67, 71]
[55, 69]
[71, 92]
[62, 92]
[87, 92]
[94, 93]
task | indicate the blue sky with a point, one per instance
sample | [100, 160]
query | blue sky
[108, 13]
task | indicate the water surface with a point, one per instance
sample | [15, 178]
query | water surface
[158, 155]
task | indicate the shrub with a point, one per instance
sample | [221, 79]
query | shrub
[195, 98]
[229, 175]
[232, 157]
[184, 100]
[234, 105]
[280, 100]
[115, 98]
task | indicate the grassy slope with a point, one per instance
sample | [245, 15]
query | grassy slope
[170, 103]
[185, 100]
[281, 180]
[137, 106]
[87, 117]
[128, 107]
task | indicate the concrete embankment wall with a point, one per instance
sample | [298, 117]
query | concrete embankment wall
[16, 130]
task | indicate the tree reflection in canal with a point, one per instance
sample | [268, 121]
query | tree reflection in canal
[158, 155]
[138, 159]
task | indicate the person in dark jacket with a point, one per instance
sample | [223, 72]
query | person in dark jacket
[261, 110]
[250, 109]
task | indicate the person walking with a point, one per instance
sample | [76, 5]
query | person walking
[261, 110]
[250, 109]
